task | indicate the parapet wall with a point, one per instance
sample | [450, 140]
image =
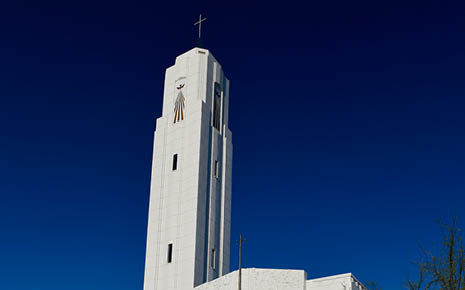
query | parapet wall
[259, 279]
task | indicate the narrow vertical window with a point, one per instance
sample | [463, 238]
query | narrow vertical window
[217, 107]
[216, 168]
[175, 161]
[213, 259]
[170, 253]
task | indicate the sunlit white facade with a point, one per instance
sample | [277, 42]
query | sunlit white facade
[188, 235]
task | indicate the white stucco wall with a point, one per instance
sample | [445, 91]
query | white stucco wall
[276, 279]
[190, 206]
[259, 279]
[336, 282]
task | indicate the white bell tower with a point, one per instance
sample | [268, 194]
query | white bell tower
[188, 235]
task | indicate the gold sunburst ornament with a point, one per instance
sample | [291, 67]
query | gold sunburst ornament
[179, 105]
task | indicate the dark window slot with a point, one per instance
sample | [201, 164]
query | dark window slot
[170, 253]
[175, 161]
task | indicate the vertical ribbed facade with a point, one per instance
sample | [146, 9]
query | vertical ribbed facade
[188, 235]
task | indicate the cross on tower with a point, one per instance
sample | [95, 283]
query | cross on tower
[199, 23]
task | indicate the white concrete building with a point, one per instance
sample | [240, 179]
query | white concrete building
[274, 279]
[188, 235]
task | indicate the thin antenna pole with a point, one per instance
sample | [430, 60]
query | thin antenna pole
[240, 253]
[241, 240]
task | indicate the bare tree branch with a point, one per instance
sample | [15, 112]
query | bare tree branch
[446, 269]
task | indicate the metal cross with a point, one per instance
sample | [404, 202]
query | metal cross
[240, 241]
[199, 23]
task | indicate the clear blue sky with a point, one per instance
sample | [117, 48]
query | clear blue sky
[348, 130]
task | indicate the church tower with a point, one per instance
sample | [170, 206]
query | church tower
[188, 235]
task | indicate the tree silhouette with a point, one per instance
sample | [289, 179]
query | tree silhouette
[446, 269]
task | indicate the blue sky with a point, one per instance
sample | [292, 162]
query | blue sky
[347, 120]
